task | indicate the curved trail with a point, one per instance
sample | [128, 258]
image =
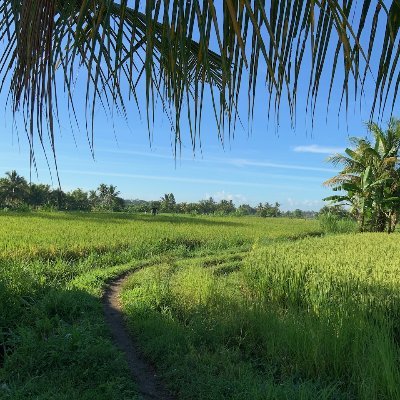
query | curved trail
[149, 385]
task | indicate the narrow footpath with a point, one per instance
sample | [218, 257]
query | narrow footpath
[149, 385]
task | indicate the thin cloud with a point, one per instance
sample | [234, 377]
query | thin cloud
[315, 148]
[175, 179]
[243, 163]
[239, 162]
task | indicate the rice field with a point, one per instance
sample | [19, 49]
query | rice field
[53, 269]
[225, 308]
[317, 318]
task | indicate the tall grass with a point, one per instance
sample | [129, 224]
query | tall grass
[333, 224]
[312, 319]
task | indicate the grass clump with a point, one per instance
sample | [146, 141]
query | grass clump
[334, 224]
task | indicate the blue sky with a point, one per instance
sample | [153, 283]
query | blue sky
[273, 163]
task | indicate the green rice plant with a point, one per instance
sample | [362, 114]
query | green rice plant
[53, 269]
[316, 318]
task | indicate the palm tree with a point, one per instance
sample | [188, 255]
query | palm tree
[13, 188]
[371, 177]
[107, 196]
[168, 202]
[181, 48]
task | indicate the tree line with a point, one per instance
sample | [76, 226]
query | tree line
[19, 195]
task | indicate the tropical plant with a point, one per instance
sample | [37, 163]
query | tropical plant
[245, 209]
[168, 203]
[107, 198]
[268, 210]
[13, 189]
[337, 210]
[166, 46]
[78, 200]
[207, 206]
[371, 178]
[39, 195]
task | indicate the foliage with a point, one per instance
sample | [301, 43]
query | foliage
[105, 198]
[332, 223]
[370, 178]
[337, 210]
[245, 209]
[13, 189]
[168, 203]
[268, 210]
[120, 44]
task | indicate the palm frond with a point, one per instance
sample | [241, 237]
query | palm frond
[338, 180]
[181, 48]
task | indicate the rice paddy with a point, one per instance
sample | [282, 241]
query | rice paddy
[225, 308]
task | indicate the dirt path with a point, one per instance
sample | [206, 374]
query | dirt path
[148, 383]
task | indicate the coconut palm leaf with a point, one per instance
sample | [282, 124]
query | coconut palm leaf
[340, 179]
[182, 49]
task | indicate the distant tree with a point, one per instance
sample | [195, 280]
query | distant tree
[245, 209]
[39, 195]
[268, 210]
[225, 207]
[107, 198]
[297, 213]
[206, 206]
[337, 210]
[93, 199]
[168, 203]
[58, 199]
[182, 208]
[276, 212]
[78, 200]
[13, 189]
[137, 206]
[192, 208]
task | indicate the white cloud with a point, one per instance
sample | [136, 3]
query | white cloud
[315, 148]
[307, 205]
[222, 195]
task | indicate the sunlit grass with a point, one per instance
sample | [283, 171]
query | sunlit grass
[312, 319]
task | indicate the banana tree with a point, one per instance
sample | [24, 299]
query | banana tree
[370, 178]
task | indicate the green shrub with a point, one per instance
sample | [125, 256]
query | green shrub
[331, 223]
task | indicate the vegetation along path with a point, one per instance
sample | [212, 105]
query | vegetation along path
[148, 383]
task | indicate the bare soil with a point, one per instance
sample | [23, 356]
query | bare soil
[143, 372]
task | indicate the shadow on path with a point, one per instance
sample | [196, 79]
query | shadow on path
[144, 374]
